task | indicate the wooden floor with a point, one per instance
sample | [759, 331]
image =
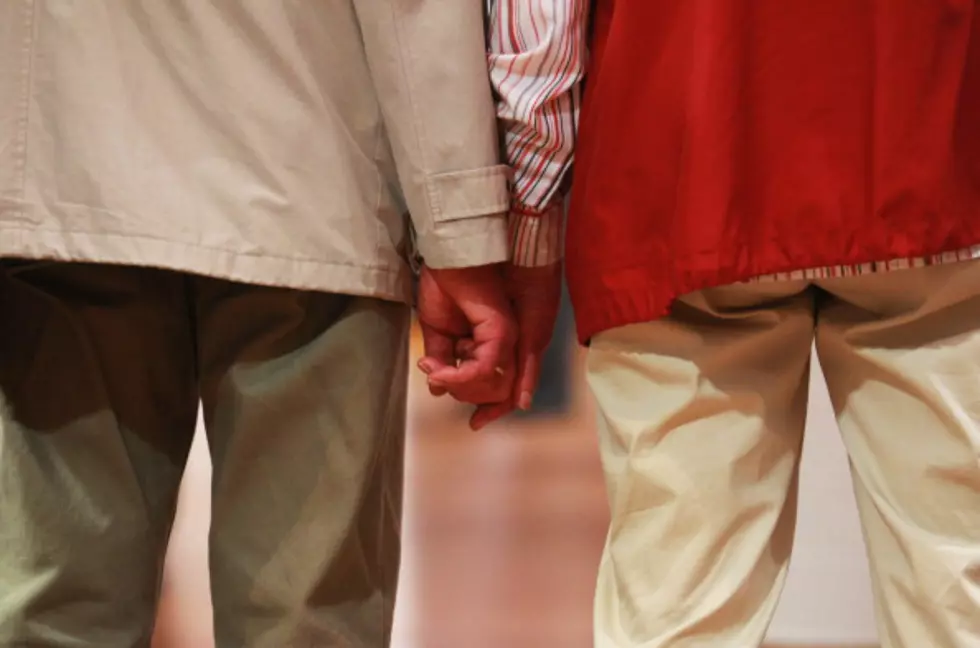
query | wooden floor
[505, 530]
[503, 534]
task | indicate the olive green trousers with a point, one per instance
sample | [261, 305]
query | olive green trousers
[102, 369]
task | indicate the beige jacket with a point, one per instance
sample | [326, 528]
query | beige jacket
[272, 142]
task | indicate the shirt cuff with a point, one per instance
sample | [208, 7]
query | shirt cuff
[537, 239]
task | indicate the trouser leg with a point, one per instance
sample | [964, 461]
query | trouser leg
[701, 420]
[901, 353]
[304, 398]
[99, 401]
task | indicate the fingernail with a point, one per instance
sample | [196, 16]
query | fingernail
[525, 402]
[424, 367]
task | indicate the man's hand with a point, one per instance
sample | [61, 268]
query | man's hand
[468, 304]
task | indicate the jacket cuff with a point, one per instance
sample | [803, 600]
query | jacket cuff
[537, 239]
[460, 195]
[466, 225]
[465, 244]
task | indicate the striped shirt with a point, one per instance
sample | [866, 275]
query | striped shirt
[537, 56]
[537, 59]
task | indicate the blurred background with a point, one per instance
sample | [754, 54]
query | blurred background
[504, 529]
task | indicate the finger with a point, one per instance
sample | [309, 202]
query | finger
[497, 388]
[479, 378]
[528, 374]
[440, 353]
[487, 363]
[480, 393]
[487, 414]
[437, 391]
[440, 350]
[428, 365]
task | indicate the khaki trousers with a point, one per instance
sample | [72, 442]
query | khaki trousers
[702, 417]
[102, 369]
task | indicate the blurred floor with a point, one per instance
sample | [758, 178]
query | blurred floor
[504, 531]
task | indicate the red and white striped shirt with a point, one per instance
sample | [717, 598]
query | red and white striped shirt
[537, 56]
[537, 60]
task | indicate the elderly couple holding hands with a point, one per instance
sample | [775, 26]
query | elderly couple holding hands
[219, 205]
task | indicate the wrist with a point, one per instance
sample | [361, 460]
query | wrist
[536, 238]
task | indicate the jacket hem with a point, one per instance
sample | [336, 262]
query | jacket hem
[134, 250]
[616, 298]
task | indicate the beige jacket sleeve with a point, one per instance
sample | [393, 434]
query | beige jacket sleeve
[429, 66]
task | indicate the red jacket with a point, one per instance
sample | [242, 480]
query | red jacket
[726, 139]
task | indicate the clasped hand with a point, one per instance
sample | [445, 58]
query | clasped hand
[485, 330]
